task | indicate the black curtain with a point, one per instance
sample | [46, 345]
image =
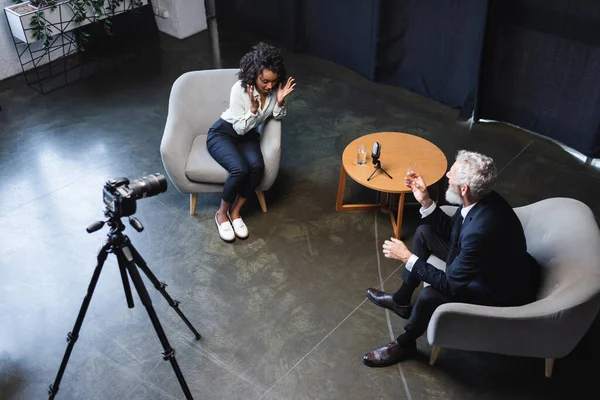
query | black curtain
[275, 19]
[341, 31]
[541, 69]
[433, 48]
[531, 63]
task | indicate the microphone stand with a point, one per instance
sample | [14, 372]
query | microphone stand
[378, 167]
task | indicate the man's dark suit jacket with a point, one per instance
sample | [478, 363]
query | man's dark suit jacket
[492, 266]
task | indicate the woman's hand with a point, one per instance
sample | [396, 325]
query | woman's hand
[253, 101]
[283, 91]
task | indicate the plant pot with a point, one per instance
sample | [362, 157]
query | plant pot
[59, 20]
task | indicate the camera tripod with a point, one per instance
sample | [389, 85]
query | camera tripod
[129, 261]
[378, 168]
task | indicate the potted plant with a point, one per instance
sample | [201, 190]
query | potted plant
[41, 19]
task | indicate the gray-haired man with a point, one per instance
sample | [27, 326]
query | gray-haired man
[484, 247]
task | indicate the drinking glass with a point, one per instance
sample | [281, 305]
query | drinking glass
[361, 155]
[412, 168]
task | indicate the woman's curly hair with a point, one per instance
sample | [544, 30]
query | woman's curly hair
[263, 56]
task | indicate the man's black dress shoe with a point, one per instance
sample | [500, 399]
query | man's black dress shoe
[386, 300]
[390, 354]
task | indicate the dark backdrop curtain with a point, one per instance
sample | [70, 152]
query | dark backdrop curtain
[433, 48]
[275, 19]
[541, 69]
[531, 63]
[342, 31]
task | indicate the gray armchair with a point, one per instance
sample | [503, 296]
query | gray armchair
[562, 235]
[197, 100]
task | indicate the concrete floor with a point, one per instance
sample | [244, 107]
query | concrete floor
[283, 315]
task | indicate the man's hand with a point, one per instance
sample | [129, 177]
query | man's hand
[415, 183]
[283, 91]
[253, 100]
[396, 249]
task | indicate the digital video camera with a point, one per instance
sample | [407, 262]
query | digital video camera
[120, 196]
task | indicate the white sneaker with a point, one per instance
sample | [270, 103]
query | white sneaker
[225, 230]
[240, 228]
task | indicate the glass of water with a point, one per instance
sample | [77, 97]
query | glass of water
[361, 155]
[412, 169]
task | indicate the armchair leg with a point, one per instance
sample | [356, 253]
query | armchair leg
[193, 198]
[261, 200]
[435, 352]
[549, 367]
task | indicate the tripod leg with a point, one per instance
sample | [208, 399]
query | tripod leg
[169, 353]
[160, 286]
[371, 176]
[125, 280]
[385, 172]
[74, 334]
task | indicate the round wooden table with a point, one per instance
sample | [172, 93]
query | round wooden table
[398, 151]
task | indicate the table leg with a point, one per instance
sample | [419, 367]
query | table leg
[397, 223]
[385, 202]
[341, 187]
[339, 203]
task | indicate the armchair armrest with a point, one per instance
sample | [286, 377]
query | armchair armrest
[547, 328]
[175, 148]
[181, 128]
[270, 145]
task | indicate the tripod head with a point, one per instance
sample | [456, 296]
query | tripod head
[115, 224]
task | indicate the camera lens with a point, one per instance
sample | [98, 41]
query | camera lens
[148, 186]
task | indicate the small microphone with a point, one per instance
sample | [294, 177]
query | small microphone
[376, 152]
